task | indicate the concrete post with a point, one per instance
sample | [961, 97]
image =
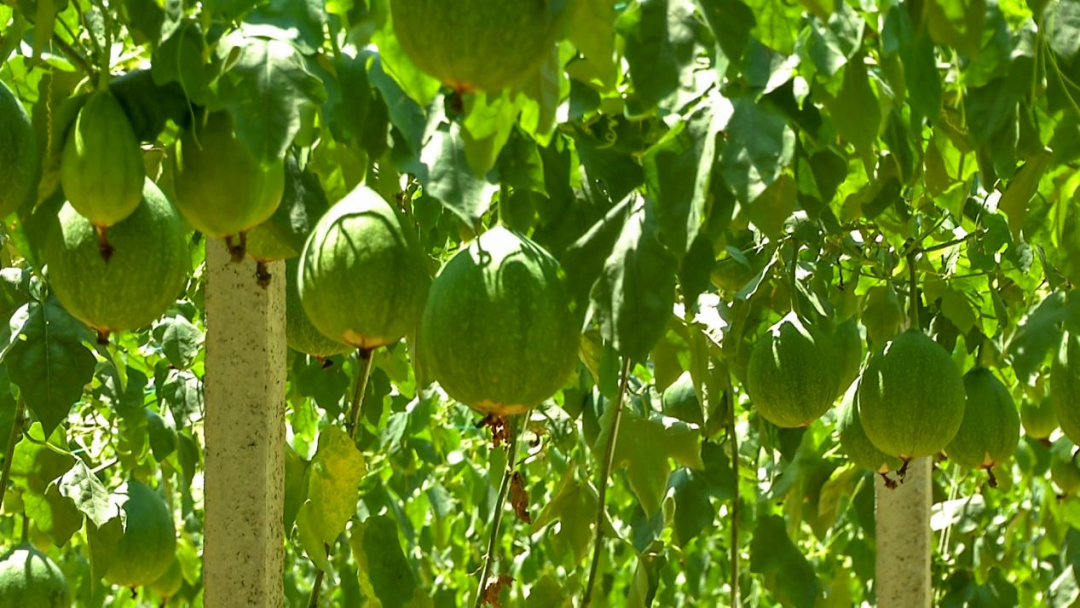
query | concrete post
[243, 556]
[902, 572]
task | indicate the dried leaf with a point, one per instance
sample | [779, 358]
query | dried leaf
[519, 498]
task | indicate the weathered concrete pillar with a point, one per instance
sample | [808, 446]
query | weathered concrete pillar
[902, 572]
[243, 556]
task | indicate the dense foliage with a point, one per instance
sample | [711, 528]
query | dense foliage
[700, 169]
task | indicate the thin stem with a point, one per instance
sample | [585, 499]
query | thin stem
[313, 600]
[914, 303]
[365, 360]
[609, 457]
[74, 56]
[106, 55]
[13, 438]
[496, 516]
[736, 601]
[948, 244]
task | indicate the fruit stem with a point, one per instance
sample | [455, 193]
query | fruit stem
[16, 429]
[496, 515]
[365, 360]
[609, 457]
[913, 305]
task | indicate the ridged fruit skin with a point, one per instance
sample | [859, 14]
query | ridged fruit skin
[148, 268]
[300, 334]
[1039, 420]
[500, 333]
[148, 545]
[221, 188]
[477, 44]
[101, 167]
[853, 439]
[991, 427]
[363, 277]
[792, 376]
[1065, 386]
[168, 584]
[18, 153]
[911, 397]
[29, 579]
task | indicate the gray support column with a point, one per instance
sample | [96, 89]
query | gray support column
[243, 555]
[902, 572]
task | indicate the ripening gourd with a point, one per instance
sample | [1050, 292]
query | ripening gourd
[911, 397]
[793, 375]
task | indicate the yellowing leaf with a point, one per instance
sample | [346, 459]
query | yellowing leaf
[333, 487]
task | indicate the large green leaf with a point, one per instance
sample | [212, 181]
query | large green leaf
[267, 88]
[678, 174]
[633, 297]
[48, 361]
[757, 148]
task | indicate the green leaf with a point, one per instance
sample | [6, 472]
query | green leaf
[678, 173]
[296, 486]
[267, 88]
[731, 22]
[1062, 21]
[180, 340]
[230, 9]
[182, 392]
[179, 59]
[787, 574]
[957, 23]
[1024, 185]
[648, 470]
[855, 111]
[1040, 333]
[611, 173]
[778, 24]
[53, 514]
[835, 41]
[446, 175]
[103, 542]
[305, 19]
[333, 489]
[693, 510]
[955, 307]
[592, 30]
[758, 146]
[161, 434]
[489, 120]
[584, 260]
[660, 48]
[88, 494]
[633, 298]
[48, 361]
[571, 506]
[774, 206]
[34, 465]
[382, 566]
